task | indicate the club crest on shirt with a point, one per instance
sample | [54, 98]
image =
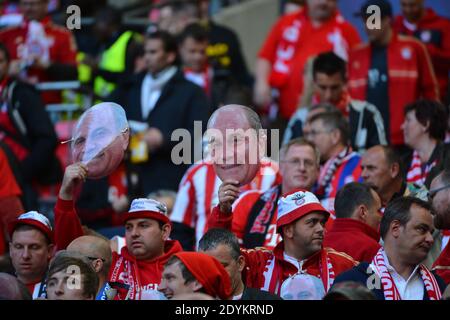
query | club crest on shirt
[406, 53]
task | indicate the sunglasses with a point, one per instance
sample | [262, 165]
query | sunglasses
[432, 193]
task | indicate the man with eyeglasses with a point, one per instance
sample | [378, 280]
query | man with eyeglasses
[98, 251]
[330, 132]
[254, 214]
[439, 196]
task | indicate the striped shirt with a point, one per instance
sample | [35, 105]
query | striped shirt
[198, 193]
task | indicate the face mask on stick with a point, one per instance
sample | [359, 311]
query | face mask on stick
[100, 139]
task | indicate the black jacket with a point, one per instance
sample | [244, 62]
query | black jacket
[38, 135]
[180, 104]
[362, 272]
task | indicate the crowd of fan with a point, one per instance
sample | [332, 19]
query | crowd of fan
[361, 186]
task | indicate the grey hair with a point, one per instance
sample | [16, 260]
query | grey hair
[217, 236]
[252, 117]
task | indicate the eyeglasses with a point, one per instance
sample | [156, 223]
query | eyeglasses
[432, 193]
[95, 258]
[314, 133]
[296, 162]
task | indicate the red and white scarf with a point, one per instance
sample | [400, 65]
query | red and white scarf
[417, 172]
[388, 285]
[274, 273]
[202, 78]
[125, 267]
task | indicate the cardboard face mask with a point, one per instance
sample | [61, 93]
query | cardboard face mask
[100, 139]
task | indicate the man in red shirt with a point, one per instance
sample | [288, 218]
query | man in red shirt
[355, 230]
[388, 65]
[40, 51]
[137, 270]
[295, 39]
[301, 219]
[433, 31]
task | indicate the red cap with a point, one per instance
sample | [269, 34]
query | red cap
[34, 219]
[209, 272]
[144, 208]
[296, 205]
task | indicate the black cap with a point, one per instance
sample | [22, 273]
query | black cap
[384, 5]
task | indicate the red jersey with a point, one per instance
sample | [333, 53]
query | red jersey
[294, 40]
[62, 49]
[409, 71]
[353, 237]
[434, 32]
[198, 193]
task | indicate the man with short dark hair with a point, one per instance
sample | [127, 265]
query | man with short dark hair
[223, 245]
[382, 170]
[396, 272]
[330, 86]
[355, 230]
[440, 197]
[157, 102]
[340, 164]
[31, 249]
[190, 272]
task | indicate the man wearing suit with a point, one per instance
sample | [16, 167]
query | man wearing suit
[158, 102]
[223, 245]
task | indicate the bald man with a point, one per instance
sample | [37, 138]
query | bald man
[12, 289]
[98, 251]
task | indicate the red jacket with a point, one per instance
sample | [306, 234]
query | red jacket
[62, 50]
[411, 77]
[311, 42]
[353, 237]
[266, 269]
[442, 264]
[124, 267]
[434, 32]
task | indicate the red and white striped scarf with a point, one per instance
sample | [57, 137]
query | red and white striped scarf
[388, 285]
[125, 267]
[417, 173]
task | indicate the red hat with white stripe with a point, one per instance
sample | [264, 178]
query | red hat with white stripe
[34, 219]
[144, 208]
[296, 205]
